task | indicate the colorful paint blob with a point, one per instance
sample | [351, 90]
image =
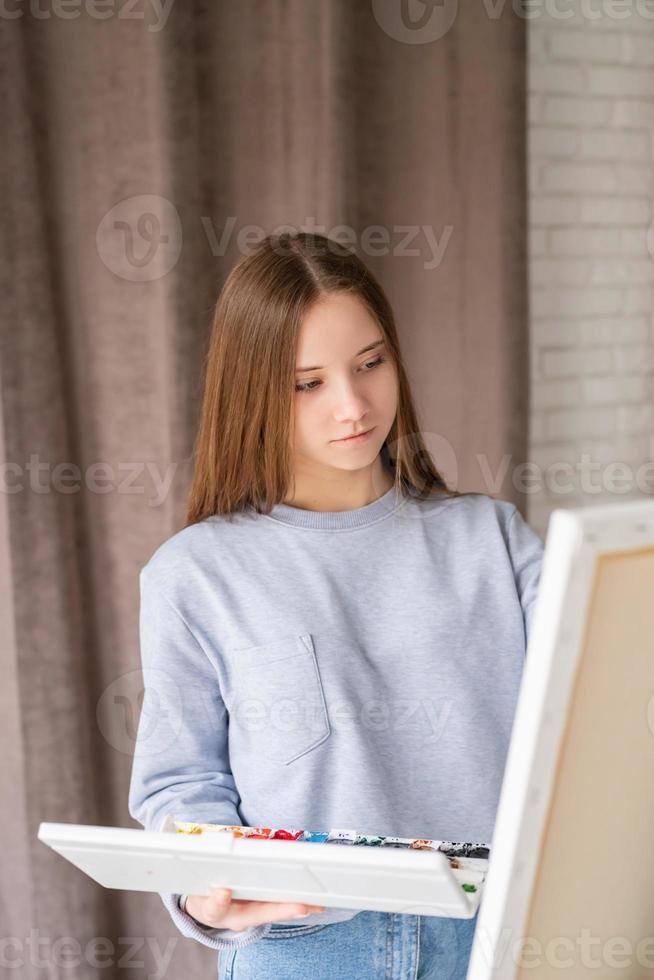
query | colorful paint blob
[467, 860]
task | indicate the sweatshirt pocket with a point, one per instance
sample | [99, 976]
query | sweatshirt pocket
[277, 704]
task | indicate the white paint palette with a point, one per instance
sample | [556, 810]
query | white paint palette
[386, 879]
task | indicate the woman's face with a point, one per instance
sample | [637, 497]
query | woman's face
[347, 390]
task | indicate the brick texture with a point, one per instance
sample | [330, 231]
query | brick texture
[591, 267]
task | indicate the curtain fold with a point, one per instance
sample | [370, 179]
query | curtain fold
[135, 154]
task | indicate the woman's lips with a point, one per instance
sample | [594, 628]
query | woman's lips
[354, 440]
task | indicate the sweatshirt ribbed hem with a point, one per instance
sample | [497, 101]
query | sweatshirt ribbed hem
[214, 938]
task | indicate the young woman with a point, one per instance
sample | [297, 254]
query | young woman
[335, 639]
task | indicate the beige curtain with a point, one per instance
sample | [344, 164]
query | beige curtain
[135, 152]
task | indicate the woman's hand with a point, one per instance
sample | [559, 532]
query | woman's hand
[219, 910]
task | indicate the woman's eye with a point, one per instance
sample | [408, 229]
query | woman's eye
[307, 385]
[377, 360]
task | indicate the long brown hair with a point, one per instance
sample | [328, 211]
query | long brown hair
[242, 455]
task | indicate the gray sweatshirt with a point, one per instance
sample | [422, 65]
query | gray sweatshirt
[355, 669]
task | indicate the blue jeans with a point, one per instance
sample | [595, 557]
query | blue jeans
[370, 946]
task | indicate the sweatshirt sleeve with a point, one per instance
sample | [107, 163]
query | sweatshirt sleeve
[526, 549]
[180, 763]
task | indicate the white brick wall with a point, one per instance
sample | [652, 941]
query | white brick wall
[591, 268]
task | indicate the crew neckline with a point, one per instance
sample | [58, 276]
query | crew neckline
[334, 520]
